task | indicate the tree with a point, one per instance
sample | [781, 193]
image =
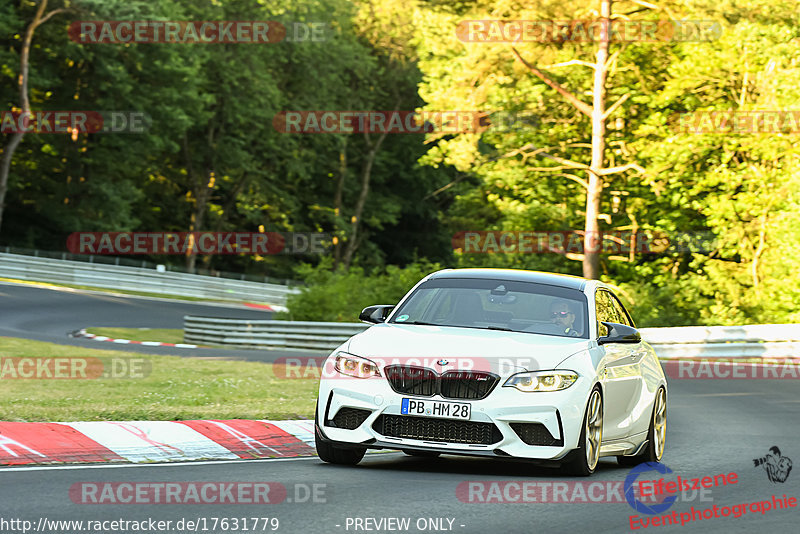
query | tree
[597, 170]
[40, 17]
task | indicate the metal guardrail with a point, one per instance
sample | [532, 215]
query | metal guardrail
[118, 277]
[751, 341]
[756, 341]
[268, 334]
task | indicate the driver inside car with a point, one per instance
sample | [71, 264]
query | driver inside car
[563, 316]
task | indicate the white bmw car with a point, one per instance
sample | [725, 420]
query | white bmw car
[496, 363]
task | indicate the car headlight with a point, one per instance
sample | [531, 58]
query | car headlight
[542, 380]
[352, 365]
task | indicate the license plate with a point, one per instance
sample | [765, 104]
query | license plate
[429, 408]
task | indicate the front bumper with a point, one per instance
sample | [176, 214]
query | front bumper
[561, 413]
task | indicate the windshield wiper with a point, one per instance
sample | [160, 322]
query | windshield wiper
[501, 328]
[423, 323]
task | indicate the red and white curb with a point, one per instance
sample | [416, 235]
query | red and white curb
[153, 441]
[83, 333]
[267, 307]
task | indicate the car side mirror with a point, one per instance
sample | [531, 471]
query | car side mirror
[375, 314]
[619, 333]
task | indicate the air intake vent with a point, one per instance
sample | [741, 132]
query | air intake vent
[441, 430]
[536, 434]
[350, 418]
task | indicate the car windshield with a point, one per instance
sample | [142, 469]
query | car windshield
[497, 305]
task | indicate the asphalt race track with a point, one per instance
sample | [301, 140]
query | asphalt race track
[715, 427]
[50, 314]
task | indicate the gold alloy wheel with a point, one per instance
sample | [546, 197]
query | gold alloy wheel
[660, 424]
[594, 429]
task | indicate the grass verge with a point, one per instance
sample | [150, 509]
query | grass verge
[176, 388]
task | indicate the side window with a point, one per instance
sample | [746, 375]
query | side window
[623, 316]
[605, 312]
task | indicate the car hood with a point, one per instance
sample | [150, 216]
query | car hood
[463, 348]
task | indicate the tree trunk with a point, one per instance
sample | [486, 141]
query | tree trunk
[337, 203]
[24, 63]
[202, 192]
[366, 175]
[226, 209]
[598, 113]
[5, 169]
[593, 239]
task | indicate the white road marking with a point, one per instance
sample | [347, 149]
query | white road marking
[171, 464]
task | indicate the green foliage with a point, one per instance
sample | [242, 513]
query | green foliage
[212, 107]
[742, 188]
[341, 295]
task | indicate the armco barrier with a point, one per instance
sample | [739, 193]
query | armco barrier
[756, 341]
[118, 277]
[750, 341]
[268, 334]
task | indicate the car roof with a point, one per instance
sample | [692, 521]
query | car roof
[515, 275]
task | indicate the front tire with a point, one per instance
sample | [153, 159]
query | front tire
[583, 460]
[656, 435]
[330, 453]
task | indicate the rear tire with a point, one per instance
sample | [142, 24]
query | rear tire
[583, 460]
[656, 435]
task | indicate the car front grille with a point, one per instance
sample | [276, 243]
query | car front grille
[441, 430]
[535, 434]
[424, 382]
[467, 384]
[350, 418]
[411, 380]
